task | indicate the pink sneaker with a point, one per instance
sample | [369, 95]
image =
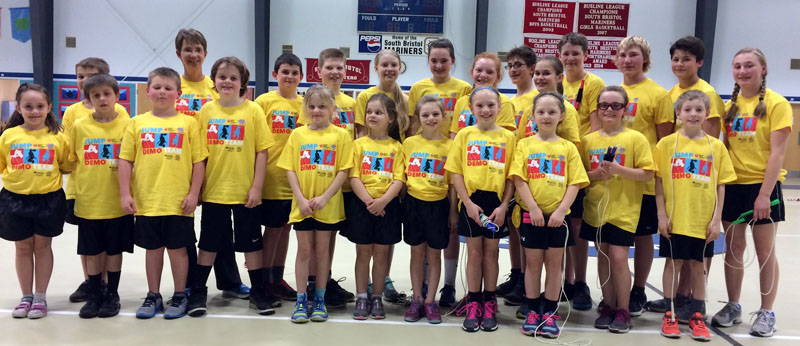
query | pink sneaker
[414, 312]
[38, 310]
[433, 313]
[489, 322]
[21, 311]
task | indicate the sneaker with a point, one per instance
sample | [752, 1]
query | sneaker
[377, 312]
[39, 310]
[81, 293]
[698, 327]
[621, 323]
[22, 309]
[763, 326]
[517, 294]
[582, 299]
[550, 327]
[152, 305]
[447, 296]
[637, 301]
[489, 321]
[335, 300]
[361, 311]
[532, 321]
[271, 292]
[606, 316]
[390, 294]
[432, 313]
[337, 291]
[320, 313]
[506, 287]
[178, 307]
[261, 302]
[197, 302]
[242, 292]
[300, 314]
[283, 291]
[522, 312]
[568, 293]
[728, 316]
[660, 305]
[685, 312]
[669, 326]
[472, 320]
[414, 312]
[92, 306]
[110, 307]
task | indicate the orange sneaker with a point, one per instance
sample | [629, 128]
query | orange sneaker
[669, 327]
[698, 326]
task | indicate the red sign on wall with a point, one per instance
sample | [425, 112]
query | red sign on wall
[601, 52]
[548, 17]
[357, 71]
[603, 19]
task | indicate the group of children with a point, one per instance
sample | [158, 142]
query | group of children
[566, 161]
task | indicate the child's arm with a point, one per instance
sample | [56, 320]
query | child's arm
[378, 205]
[125, 167]
[777, 152]
[360, 190]
[453, 217]
[524, 190]
[594, 122]
[712, 231]
[600, 173]
[302, 202]
[254, 195]
[473, 210]
[413, 125]
[499, 214]
[638, 174]
[558, 215]
[664, 129]
[318, 202]
[190, 202]
[664, 223]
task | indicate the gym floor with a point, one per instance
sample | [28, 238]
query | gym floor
[229, 321]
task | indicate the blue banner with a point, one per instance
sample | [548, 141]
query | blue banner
[21, 24]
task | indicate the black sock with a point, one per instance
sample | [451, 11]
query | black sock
[113, 282]
[534, 304]
[488, 295]
[698, 305]
[475, 296]
[256, 278]
[516, 274]
[277, 273]
[637, 289]
[201, 276]
[95, 284]
[268, 275]
[549, 305]
[668, 304]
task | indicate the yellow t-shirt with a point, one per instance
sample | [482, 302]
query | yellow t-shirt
[748, 136]
[74, 113]
[689, 176]
[426, 177]
[717, 107]
[282, 117]
[31, 161]
[363, 98]
[521, 103]
[233, 136]
[377, 164]
[617, 200]
[548, 168]
[316, 156]
[483, 158]
[94, 148]
[589, 88]
[194, 95]
[449, 92]
[162, 172]
[505, 118]
[568, 129]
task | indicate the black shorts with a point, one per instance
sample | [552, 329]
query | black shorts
[686, 248]
[365, 228]
[488, 201]
[22, 216]
[347, 198]
[216, 228]
[275, 212]
[170, 231]
[533, 237]
[71, 218]
[608, 234]
[112, 236]
[648, 217]
[311, 224]
[576, 209]
[426, 222]
[740, 198]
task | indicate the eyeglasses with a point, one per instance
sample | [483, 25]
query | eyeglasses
[614, 105]
[516, 66]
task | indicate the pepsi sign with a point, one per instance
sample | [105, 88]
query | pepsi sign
[370, 43]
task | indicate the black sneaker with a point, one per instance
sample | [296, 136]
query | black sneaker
[637, 302]
[582, 299]
[517, 295]
[333, 285]
[197, 302]
[261, 302]
[110, 307]
[334, 299]
[506, 287]
[92, 306]
[80, 294]
[568, 293]
[447, 297]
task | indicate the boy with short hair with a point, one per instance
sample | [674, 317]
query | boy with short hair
[170, 164]
[687, 57]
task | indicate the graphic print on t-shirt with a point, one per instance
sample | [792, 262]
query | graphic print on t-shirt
[190, 104]
[157, 140]
[633, 106]
[466, 118]
[596, 156]
[486, 153]
[283, 121]
[743, 125]
[342, 118]
[425, 165]
[378, 163]
[531, 128]
[686, 165]
[31, 156]
[546, 166]
[318, 157]
[227, 132]
[101, 151]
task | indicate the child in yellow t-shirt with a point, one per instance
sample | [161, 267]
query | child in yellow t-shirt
[441, 57]
[479, 161]
[196, 88]
[485, 72]
[33, 155]
[170, 164]
[317, 159]
[548, 74]
[427, 213]
[547, 172]
[387, 66]
[618, 161]
[687, 57]
[692, 169]
[374, 218]
[104, 230]
[282, 108]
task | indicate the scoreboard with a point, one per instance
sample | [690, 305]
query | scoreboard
[401, 16]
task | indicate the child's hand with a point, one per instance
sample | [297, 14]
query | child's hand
[377, 206]
[537, 218]
[452, 219]
[189, 204]
[603, 172]
[613, 167]
[305, 207]
[712, 231]
[128, 205]
[473, 211]
[499, 215]
[665, 226]
[556, 218]
[318, 202]
[761, 208]
[253, 198]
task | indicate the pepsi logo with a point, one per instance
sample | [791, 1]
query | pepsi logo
[370, 43]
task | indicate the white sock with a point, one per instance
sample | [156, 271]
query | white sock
[450, 271]
[39, 297]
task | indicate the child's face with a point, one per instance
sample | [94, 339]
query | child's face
[630, 61]
[545, 77]
[685, 64]
[610, 100]
[319, 111]
[572, 57]
[163, 92]
[332, 71]
[430, 116]
[227, 81]
[103, 98]
[84, 72]
[485, 105]
[440, 62]
[34, 108]
[484, 73]
[377, 119]
[388, 68]
[288, 76]
[547, 113]
[192, 54]
[747, 70]
[518, 71]
[692, 114]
